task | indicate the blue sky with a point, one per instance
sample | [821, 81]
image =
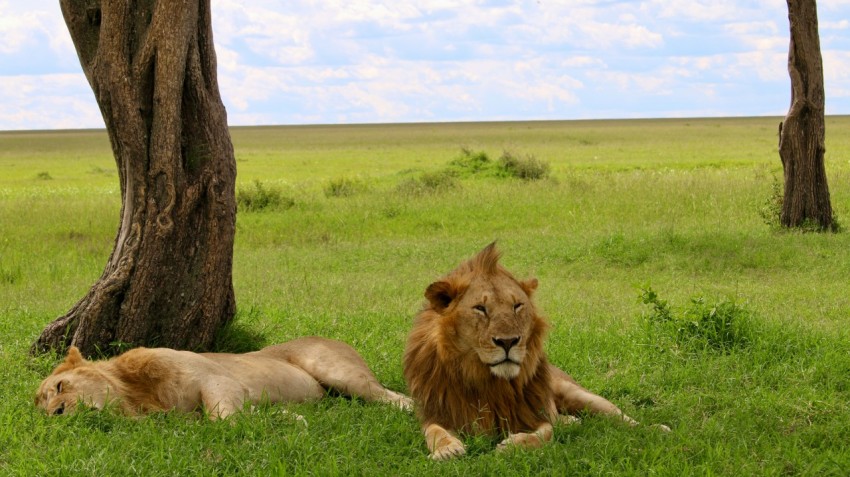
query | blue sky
[363, 61]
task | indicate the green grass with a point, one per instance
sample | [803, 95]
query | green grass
[671, 205]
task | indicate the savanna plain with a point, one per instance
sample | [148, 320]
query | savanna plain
[669, 288]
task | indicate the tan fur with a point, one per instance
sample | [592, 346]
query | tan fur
[145, 380]
[476, 317]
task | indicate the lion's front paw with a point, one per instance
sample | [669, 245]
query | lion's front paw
[661, 427]
[448, 450]
[567, 419]
[520, 439]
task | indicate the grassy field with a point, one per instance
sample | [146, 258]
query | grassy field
[744, 351]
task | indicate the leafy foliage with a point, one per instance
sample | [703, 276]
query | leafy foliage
[722, 326]
[771, 209]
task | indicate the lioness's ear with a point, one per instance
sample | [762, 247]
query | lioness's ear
[72, 360]
[440, 294]
[74, 357]
[529, 286]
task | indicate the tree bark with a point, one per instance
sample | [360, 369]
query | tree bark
[151, 65]
[801, 135]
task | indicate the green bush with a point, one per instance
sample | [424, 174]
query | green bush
[722, 327]
[526, 168]
[470, 163]
[342, 187]
[260, 197]
[428, 183]
[771, 209]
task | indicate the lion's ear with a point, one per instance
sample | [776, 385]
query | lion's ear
[529, 286]
[440, 294]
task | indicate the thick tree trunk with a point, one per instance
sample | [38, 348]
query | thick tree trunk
[152, 67]
[801, 138]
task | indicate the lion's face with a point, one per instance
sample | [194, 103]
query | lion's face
[489, 313]
[71, 384]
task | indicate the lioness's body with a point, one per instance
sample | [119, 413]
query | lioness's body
[146, 380]
[474, 362]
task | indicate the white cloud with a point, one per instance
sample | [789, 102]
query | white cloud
[836, 25]
[22, 25]
[697, 10]
[48, 101]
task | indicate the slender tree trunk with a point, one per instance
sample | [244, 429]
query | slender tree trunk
[801, 135]
[152, 67]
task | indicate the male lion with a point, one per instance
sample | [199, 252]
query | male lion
[474, 362]
[145, 380]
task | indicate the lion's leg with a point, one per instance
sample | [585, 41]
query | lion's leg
[571, 398]
[542, 435]
[442, 443]
[337, 365]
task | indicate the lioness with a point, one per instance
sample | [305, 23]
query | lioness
[474, 362]
[145, 380]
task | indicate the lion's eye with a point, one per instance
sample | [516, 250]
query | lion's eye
[59, 387]
[480, 309]
[518, 307]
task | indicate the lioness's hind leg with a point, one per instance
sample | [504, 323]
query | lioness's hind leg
[222, 397]
[337, 365]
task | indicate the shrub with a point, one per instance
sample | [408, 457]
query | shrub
[470, 163]
[342, 187]
[771, 209]
[428, 183]
[44, 176]
[722, 327]
[260, 197]
[526, 168]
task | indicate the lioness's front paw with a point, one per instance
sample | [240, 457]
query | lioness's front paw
[661, 427]
[453, 448]
[405, 404]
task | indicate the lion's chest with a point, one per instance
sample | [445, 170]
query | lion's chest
[494, 410]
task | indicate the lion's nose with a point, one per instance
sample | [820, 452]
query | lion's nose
[59, 410]
[506, 343]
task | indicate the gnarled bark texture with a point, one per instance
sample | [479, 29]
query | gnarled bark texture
[152, 67]
[801, 135]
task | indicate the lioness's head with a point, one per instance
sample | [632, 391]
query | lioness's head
[73, 382]
[488, 312]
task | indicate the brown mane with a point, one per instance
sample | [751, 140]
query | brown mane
[456, 390]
